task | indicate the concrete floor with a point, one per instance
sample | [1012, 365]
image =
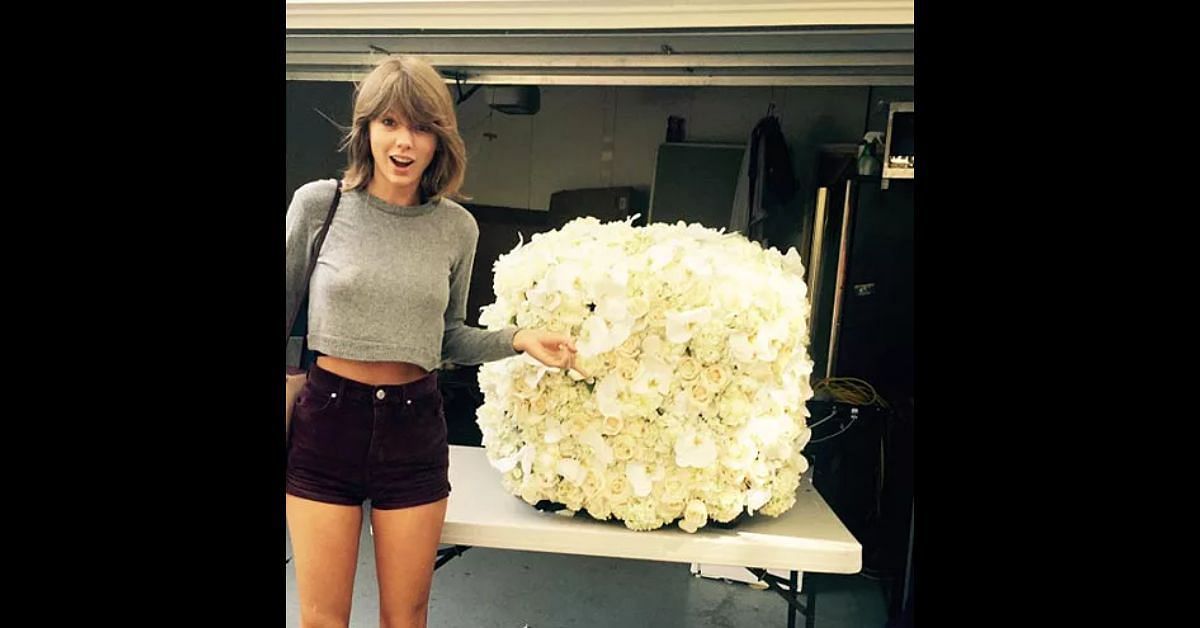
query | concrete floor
[488, 588]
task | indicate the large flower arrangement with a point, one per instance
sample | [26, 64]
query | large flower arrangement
[693, 343]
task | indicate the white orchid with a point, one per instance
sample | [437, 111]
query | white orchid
[694, 344]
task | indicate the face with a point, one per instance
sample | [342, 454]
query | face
[402, 151]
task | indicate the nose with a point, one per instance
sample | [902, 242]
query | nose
[403, 135]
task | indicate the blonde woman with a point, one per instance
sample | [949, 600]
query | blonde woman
[387, 303]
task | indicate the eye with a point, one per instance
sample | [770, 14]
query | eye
[388, 121]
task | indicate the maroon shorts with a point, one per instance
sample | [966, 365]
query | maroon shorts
[352, 442]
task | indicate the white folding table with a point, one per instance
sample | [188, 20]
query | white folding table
[807, 538]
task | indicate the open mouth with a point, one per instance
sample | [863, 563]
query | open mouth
[401, 162]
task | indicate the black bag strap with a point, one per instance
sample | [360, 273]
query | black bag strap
[312, 264]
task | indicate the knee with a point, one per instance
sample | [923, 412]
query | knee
[409, 616]
[323, 618]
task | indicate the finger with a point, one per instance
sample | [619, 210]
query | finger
[582, 372]
[576, 368]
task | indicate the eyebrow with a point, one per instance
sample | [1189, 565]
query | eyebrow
[392, 113]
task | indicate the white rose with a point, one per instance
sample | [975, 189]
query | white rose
[624, 447]
[611, 426]
[598, 507]
[539, 405]
[593, 485]
[618, 489]
[688, 369]
[656, 433]
[629, 369]
[630, 348]
[716, 377]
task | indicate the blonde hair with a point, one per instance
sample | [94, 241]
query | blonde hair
[413, 88]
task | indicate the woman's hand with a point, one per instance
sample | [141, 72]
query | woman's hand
[551, 348]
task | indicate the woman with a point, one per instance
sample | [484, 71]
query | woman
[387, 301]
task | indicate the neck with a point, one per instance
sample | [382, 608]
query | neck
[404, 196]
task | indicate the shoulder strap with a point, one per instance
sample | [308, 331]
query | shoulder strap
[312, 258]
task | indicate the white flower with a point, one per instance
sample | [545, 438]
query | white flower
[607, 392]
[688, 370]
[694, 449]
[801, 464]
[734, 407]
[682, 325]
[629, 349]
[629, 369]
[767, 430]
[716, 377]
[528, 454]
[805, 434]
[572, 471]
[756, 498]
[613, 308]
[793, 264]
[654, 377]
[726, 505]
[638, 307]
[634, 428]
[740, 452]
[597, 337]
[497, 314]
[553, 432]
[602, 451]
[507, 463]
[624, 447]
[543, 298]
[618, 488]
[661, 255]
[636, 472]
[694, 517]
[695, 342]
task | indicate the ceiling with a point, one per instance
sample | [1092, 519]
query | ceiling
[559, 42]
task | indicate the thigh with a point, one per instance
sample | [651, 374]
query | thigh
[325, 551]
[406, 541]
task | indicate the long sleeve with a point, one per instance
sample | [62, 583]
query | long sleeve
[305, 215]
[461, 343]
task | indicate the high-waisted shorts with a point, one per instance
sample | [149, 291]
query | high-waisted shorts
[351, 442]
